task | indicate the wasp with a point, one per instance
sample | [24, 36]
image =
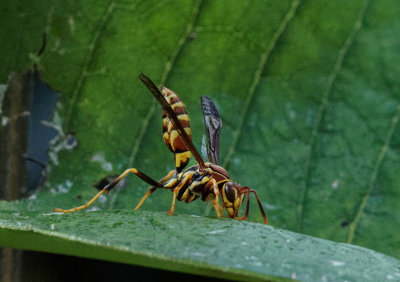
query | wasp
[206, 180]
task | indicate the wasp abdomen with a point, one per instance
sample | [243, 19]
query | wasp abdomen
[171, 136]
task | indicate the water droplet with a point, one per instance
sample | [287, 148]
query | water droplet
[335, 184]
[337, 263]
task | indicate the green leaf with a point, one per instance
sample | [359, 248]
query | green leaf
[307, 91]
[200, 245]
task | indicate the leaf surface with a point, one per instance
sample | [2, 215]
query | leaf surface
[200, 245]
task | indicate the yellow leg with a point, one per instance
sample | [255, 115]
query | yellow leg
[247, 207]
[81, 207]
[152, 189]
[216, 200]
[148, 193]
[168, 176]
[141, 175]
[176, 191]
[111, 185]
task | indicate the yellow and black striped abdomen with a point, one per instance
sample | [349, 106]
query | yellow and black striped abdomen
[171, 137]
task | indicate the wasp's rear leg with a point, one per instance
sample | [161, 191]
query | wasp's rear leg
[152, 189]
[81, 207]
[111, 185]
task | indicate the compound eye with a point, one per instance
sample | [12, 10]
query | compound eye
[230, 192]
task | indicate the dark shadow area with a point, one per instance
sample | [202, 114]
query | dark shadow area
[44, 267]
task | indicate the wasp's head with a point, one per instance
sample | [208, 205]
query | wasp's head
[232, 198]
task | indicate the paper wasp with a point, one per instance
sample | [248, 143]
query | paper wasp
[207, 180]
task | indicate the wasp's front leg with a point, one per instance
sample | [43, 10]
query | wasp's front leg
[215, 201]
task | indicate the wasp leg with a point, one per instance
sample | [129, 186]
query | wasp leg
[152, 189]
[216, 200]
[260, 206]
[141, 175]
[247, 207]
[111, 185]
[176, 191]
[81, 207]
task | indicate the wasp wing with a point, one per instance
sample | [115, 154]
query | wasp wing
[204, 150]
[172, 116]
[213, 125]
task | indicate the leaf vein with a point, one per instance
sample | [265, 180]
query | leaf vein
[354, 224]
[257, 76]
[321, 111]
[88, 59]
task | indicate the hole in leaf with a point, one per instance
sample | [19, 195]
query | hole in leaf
[42, 105]
[27, 102]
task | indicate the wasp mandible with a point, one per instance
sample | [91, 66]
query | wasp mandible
[207, 180]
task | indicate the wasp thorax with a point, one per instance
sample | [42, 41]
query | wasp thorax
[232, 198]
